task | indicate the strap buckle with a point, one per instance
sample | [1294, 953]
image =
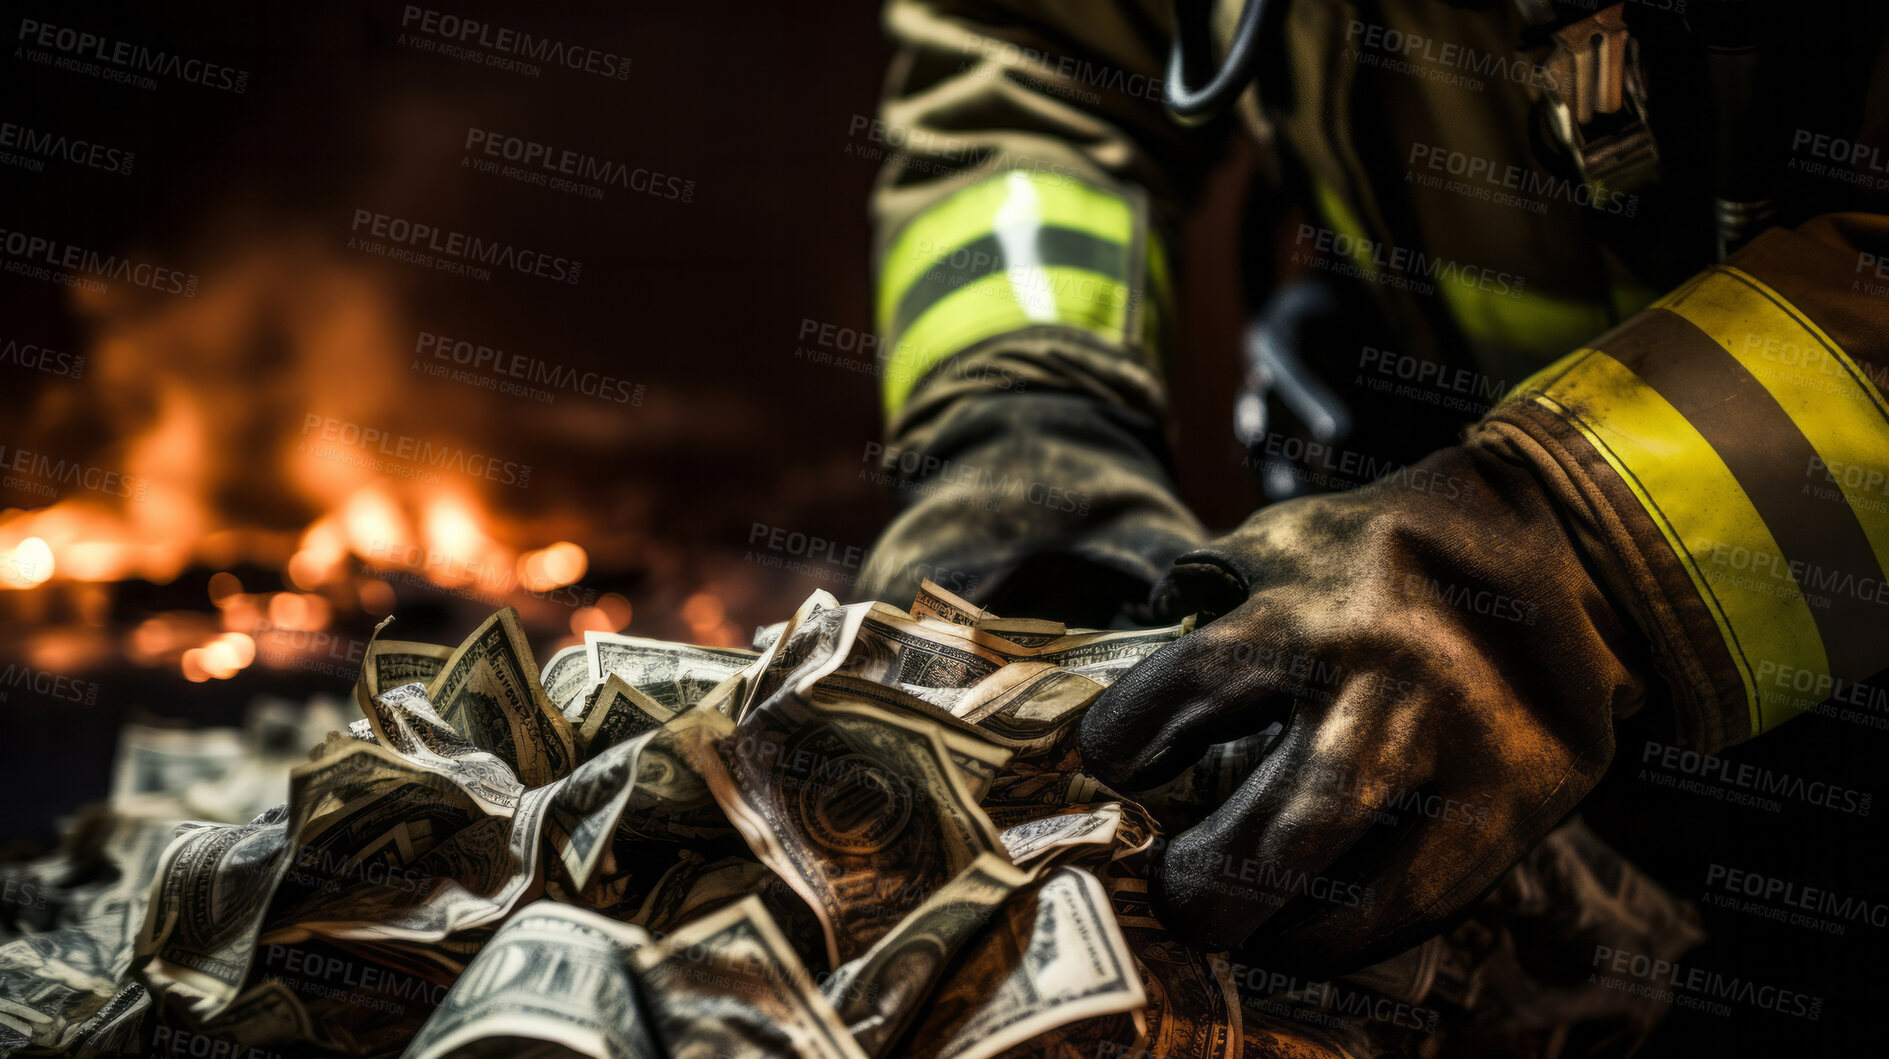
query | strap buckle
[1595, 96]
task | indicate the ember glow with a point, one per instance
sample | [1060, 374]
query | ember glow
[313, 460]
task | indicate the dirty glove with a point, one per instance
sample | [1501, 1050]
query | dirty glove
[1445, 671]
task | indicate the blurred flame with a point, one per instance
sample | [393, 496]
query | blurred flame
[220, 443]
[224, 413]
[27, 563]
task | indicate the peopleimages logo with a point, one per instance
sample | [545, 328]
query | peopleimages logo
[532, 370]
[1396, 267]
[566, 170]
[35, 145]
[1745, 783]
[35, 357]
[33, 255]
[1508, 184]
[47, 685]
[1798, 902]
[508, 45]
[81, 49]
[415, 453]
[432, 247]
[1698, 988]
[43, 475]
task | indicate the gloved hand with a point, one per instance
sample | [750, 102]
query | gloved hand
[1446, 671]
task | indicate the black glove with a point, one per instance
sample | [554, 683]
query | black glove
[1446, 670]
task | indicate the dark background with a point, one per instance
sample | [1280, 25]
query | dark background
[701, 303]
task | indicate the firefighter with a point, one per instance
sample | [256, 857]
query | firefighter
[1570, 392]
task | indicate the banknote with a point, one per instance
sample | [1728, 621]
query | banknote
[402, 719]
[1054, 956]
[618, 712]
[1079, 833]
[1194, 1006]
[488, 691]
[62, 979]
[675, 675]
[554, 980]
[878, 994]
[934, 601]
[391, 663]
[213, 884]
[565, 677]
[856, 806]
[729, 984]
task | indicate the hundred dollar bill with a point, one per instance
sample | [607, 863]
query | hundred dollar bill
[1194, 1006]
[1019, 635]
[116, 1028]
[154, 760]
[671, 800]
[811, 645]
[977, 756]
[674, 675]
[656, 770]
[553, 981]
[894, 648]
[489, 693]
[565, 677]
[857, 807]
[471, 878]
[934, 601]
[391, 663]
[213, 884]
[1052, 957]
[729, 985]
[872, 643]
[768, 638]
[1026, 633]
[725, 697]
[1036, 697]
[878, 994]
[998, 691]
[1099, 654]
[404, 721]
[1048, 778]
[62, 978]
[1065, 836]
[265, 1016]
[619, 712]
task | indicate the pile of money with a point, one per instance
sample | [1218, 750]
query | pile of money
[869, 836]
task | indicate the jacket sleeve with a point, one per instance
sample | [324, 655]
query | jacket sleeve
[1725, 458]
[1022, 300]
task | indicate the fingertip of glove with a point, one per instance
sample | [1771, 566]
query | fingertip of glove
[1187, 894]
[1109, 748]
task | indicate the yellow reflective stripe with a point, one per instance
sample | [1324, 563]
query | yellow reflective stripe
[972, 213]
[1840, 412]
[994, 305]
[1699, 507]
[1030, 250]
